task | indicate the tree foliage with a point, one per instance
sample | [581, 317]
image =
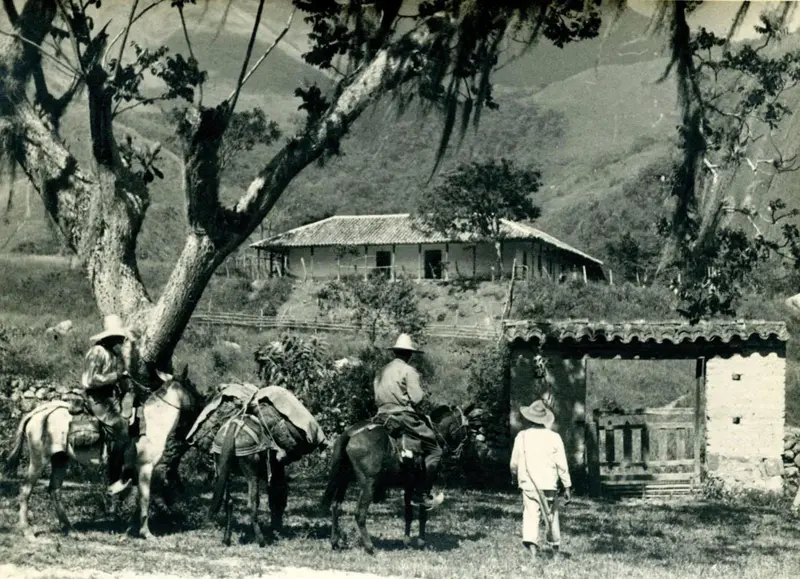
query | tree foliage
[472, 202]
[377, 305]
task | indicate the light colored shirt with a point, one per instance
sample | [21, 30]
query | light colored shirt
[539, 458]
[101, 368]
[397, 388]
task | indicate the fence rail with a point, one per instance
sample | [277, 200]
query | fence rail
[473, 332]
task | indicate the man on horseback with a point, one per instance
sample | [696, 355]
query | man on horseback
[111, 397]
[398, 394]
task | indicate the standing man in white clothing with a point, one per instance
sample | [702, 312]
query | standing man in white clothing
[538, 463]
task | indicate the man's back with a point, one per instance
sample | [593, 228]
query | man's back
[397, 387]
[538, 458]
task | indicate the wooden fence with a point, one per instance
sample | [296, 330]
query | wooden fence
[472, 332]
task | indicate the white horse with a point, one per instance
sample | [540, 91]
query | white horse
[171, 408]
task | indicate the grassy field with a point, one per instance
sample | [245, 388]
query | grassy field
[476, 535]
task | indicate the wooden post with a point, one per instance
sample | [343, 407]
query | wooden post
[305, 272]
[585, 277]
[311, 263]
[366, 262]
[338, 267]
[611, 277]
[474, 260]
[394, 257]
[419, 262]
[446, 261]
[699, 420]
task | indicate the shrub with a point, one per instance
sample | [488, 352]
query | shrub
[376, 305]
[487, 383]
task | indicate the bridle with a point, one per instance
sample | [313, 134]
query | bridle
[463, 426]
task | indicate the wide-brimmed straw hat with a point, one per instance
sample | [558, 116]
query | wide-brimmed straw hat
[113, 328]
[405, 343]
[538, 413]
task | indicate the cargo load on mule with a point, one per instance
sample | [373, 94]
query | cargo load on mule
[273, 418]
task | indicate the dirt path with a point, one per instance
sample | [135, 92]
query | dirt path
[17, 572]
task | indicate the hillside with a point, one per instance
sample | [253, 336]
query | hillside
[591, 116]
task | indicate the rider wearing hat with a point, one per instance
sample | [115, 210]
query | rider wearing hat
[398, 393]
[111, 398]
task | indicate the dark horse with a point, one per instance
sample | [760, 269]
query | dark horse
[264, 465]
[366, 452]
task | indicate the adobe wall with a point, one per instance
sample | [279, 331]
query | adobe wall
[745, 409]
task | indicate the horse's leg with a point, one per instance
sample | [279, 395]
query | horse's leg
[278, 492]
[335, 534]
[408, 511]
[254, 492]
[367, 491]
[145, 481]
[226, 538]
[423, 519]
[35, 467]
[58, 472]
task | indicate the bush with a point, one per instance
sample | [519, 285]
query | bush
[377, 305]
[487, 383]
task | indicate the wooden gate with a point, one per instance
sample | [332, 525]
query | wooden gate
[645, 453]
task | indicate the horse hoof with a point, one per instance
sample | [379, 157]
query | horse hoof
[226, 542]
[421, 544]
[369, 550]
[146, 535]
[407, 542]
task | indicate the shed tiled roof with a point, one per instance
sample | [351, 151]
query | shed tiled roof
[672, 332]
[400, 229]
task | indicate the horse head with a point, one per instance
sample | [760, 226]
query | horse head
[452, 426]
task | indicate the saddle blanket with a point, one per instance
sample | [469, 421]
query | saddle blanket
[280, 398]
[250, 436]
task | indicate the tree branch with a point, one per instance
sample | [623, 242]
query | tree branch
[66, 67]
[191, 52]
[72, 37]
[126, 31]
[263, 56]
[144, 11]
[235, 96]
[11, 11]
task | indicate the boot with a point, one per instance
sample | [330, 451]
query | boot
[121, 466]
[423, 497]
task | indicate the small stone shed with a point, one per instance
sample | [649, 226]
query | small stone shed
[739, 406]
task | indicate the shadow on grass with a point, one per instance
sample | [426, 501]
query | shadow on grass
[697, 532]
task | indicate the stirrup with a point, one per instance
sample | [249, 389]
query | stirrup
[428, 504]
[118, 487]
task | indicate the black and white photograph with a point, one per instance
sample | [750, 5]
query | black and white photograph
[399, 289]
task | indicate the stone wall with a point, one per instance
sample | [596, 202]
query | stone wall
[25, 394]
[791, 459]
[745, 408]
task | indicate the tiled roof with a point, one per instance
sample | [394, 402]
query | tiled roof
[674, 332]
[401, 228]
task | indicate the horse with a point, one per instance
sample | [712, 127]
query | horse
[171, 408]
[366, 453]
[267, 465]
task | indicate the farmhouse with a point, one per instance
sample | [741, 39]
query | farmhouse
[398, 247]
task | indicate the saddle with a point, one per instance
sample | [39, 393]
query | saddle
[406, 446]
[84, 430]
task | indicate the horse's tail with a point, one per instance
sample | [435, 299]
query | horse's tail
[226, 455]
[12, 460]
[341, 470]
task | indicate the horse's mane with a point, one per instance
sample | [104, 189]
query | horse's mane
[438, 413]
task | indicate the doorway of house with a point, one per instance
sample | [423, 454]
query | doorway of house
[383, 263]
[433, 264]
